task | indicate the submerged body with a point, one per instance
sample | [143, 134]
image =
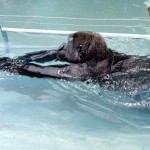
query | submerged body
[89, 58]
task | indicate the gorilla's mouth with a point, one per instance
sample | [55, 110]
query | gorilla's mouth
[61, 52]
[62, 47]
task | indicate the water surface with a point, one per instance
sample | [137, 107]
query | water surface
[57, 114]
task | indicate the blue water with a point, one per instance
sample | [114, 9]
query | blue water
[52, 114]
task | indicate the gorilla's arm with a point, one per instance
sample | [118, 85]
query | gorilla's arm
[40, 56]
[73, 71]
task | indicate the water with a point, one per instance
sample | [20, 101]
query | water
[57, 114]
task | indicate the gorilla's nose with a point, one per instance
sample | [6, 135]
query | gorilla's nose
[62, 47]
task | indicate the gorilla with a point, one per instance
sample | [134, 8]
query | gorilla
[89, 59]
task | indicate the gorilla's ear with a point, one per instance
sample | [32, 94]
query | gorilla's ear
[80, 51]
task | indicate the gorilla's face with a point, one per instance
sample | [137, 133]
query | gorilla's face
[82, 47]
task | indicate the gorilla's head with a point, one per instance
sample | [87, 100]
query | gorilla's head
[82, 47]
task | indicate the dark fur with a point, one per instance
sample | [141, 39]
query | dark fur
[89, 58]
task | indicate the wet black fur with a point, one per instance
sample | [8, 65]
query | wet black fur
[89, 58]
